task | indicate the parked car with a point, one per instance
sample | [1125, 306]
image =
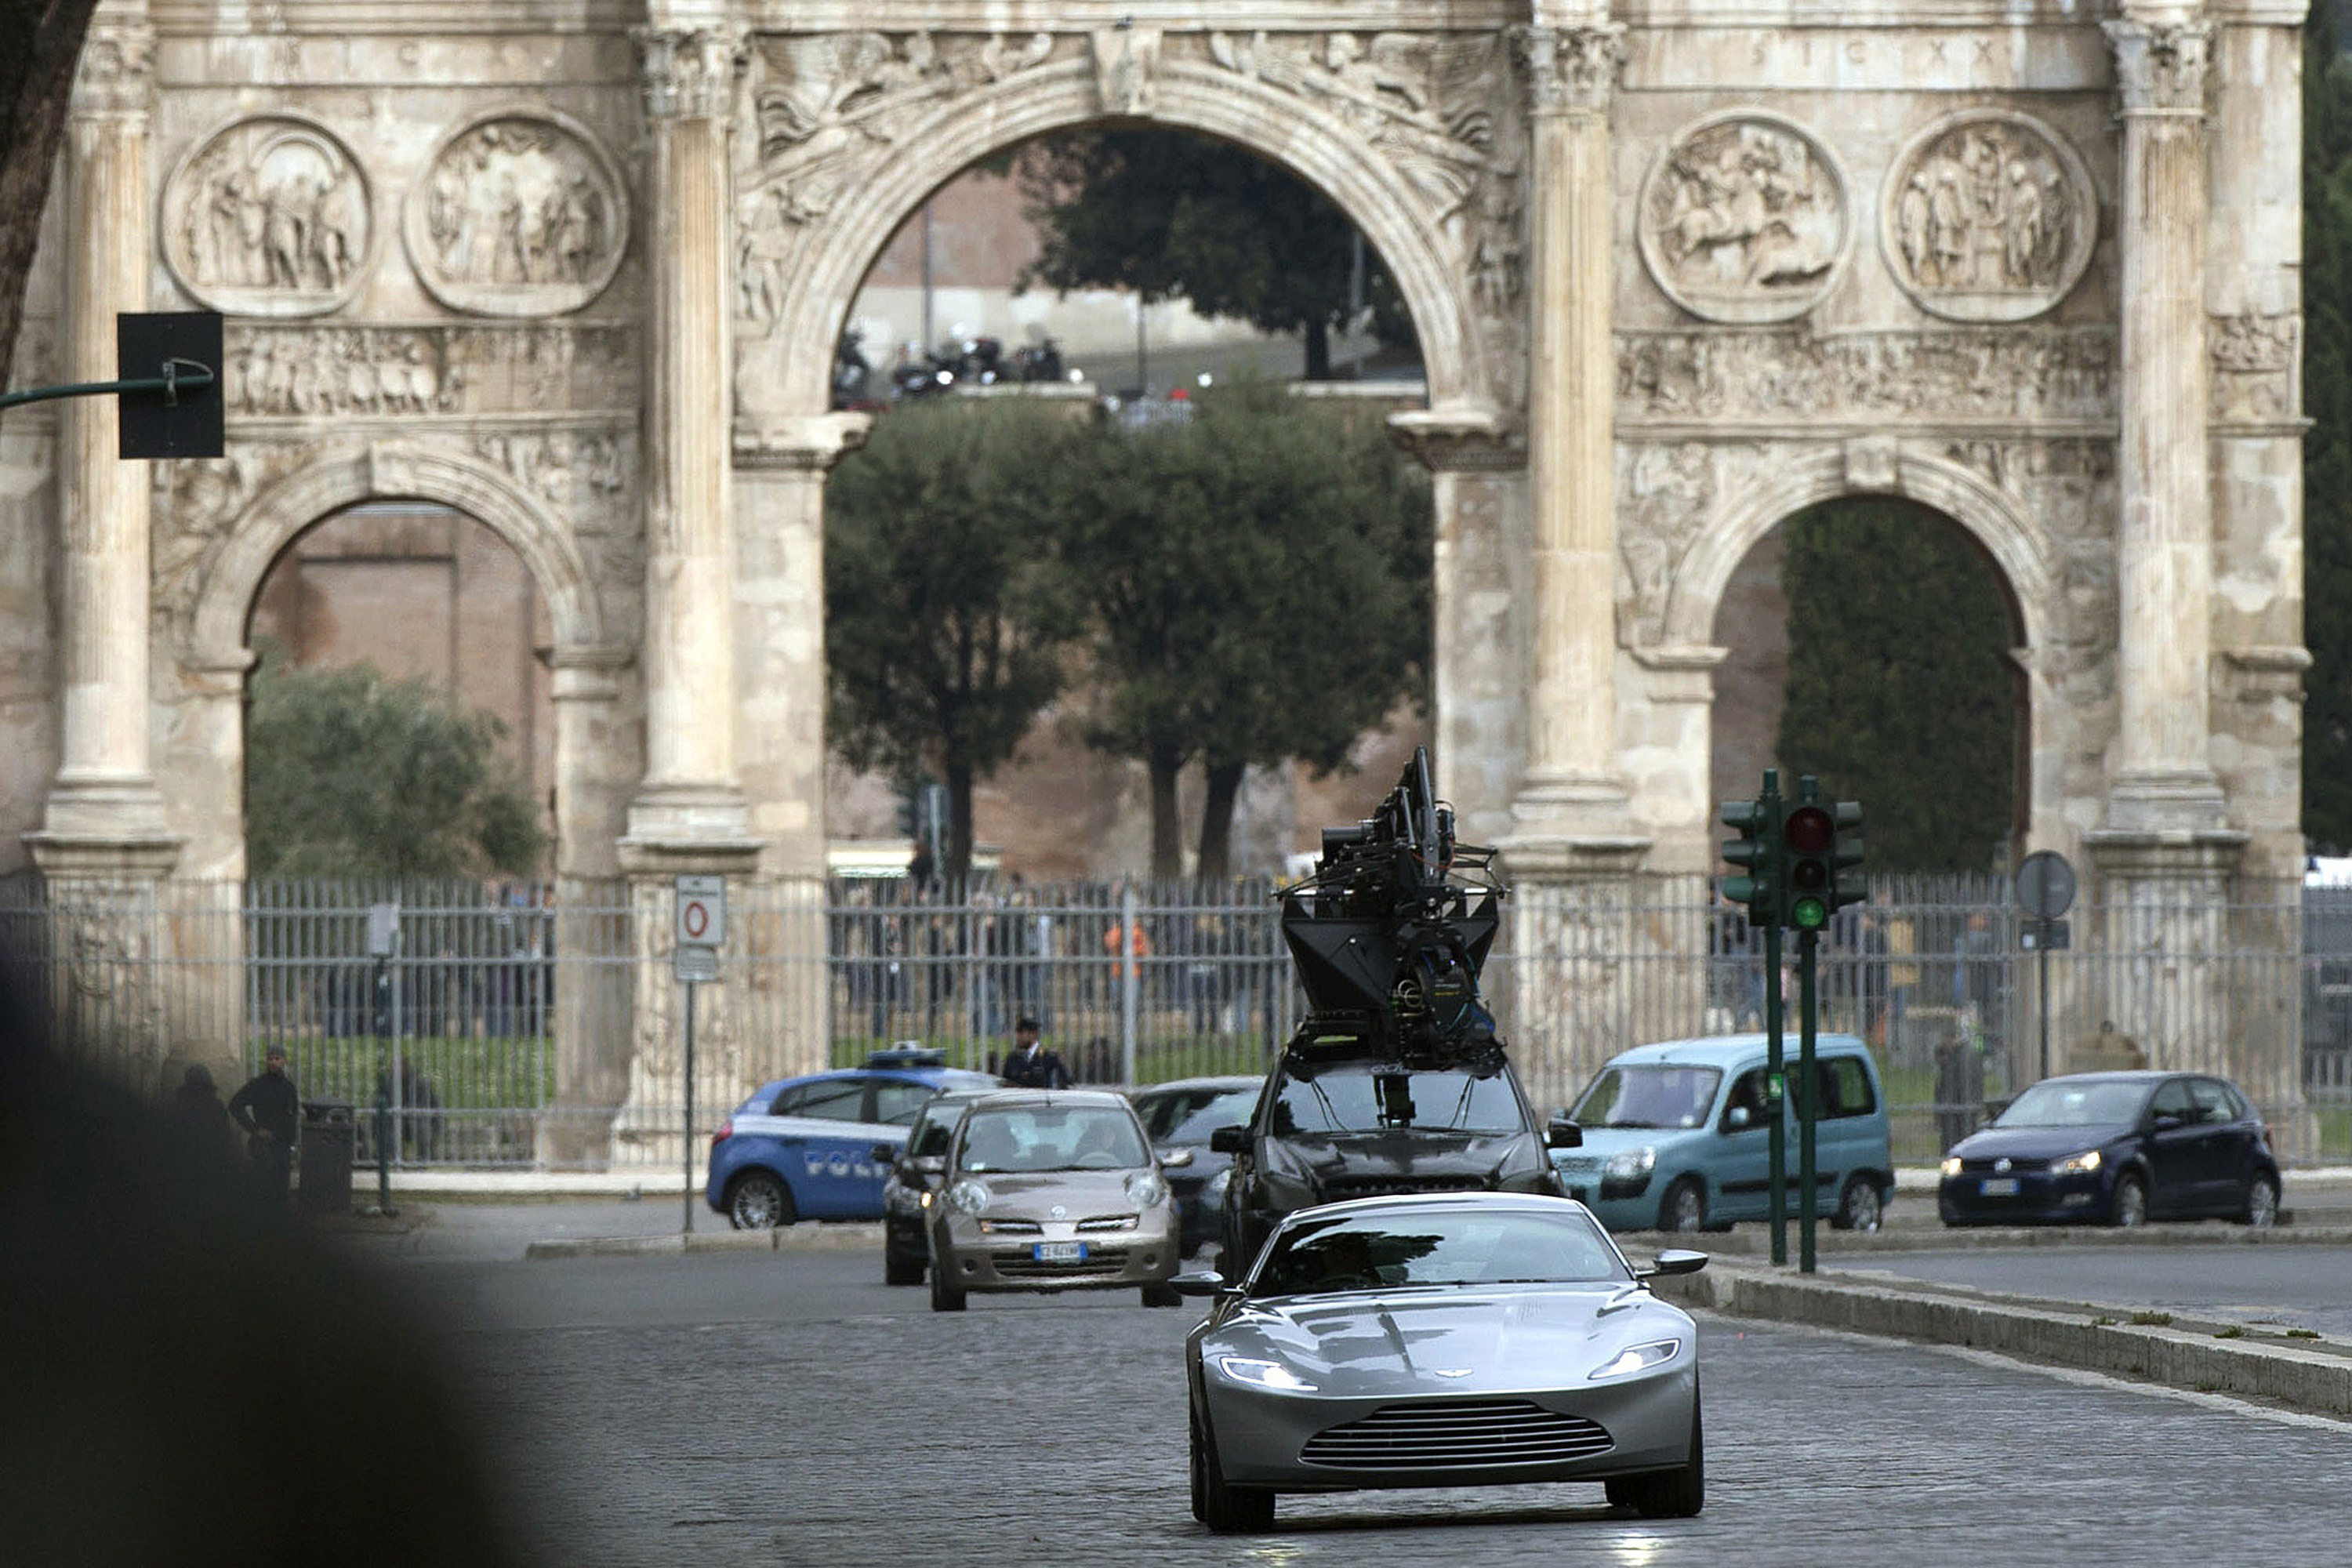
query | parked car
[1051, 1190]
[1477, 1339]
[804, 1148]
[2123, 1148]
[918, 1171]
[1183, 1115]
[1677, 1136]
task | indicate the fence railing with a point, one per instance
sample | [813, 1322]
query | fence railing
[514, 1026]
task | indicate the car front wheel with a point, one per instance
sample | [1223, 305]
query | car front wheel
[1685, 1206]
[758, 1201]
[2261, 1203]
[1858, 1207]
[1669, 1494]
[1228, 1510]
[945, 1298]
[899, 1269]
[2130, 1207]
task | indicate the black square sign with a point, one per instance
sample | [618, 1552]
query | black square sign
[186, 422]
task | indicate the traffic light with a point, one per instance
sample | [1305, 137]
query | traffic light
[1809, 840]
[1757, 854]
[1845, 855]
[908, 815]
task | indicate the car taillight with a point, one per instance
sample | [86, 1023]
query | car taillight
[725, 1130]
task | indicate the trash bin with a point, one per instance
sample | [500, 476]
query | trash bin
[325, 1157]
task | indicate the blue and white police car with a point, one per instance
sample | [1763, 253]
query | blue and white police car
[804, 1148]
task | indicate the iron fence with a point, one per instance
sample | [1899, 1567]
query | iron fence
[538, 1025]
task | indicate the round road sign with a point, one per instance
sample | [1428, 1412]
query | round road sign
[2045, 884]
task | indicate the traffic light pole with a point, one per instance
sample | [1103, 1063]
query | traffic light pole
[1775, 1060]
[1807, 1092]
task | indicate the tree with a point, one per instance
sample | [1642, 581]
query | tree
[1900, 690]
[348, 772]
[1259, 584]
[946, 617]
[1171, 217]
[36, 75]
[2327, 447]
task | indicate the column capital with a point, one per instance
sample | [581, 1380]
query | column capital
[2160, 64]
[1573, 72]
[115, 79]
[689, 73]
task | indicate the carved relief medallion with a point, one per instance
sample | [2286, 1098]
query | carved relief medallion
[1744, 218]
[269, 216]
[1988, 217]
[519, 214]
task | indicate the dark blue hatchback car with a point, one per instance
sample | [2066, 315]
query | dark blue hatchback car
[803, 1148]
[2121, 1148]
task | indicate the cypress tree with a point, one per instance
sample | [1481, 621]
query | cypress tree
[2327, 448]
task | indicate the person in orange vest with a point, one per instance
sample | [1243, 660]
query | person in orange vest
[1137, 945]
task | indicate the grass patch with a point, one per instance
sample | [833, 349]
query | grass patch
[2103, 1323]
[2152, 1320]
[2209, 1388]
[2303, 1334]
[2231, 1332]
[2336, 1132]
[468, 1072]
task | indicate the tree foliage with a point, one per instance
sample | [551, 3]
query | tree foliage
[1901, 694]
[947, 616]
[2327, 447]
[37, 71]
[350, 774]
[1178, 216]
[1259, 586]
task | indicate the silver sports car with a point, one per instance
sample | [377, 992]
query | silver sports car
[1440, 1341]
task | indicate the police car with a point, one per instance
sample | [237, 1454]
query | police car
[804, 1148]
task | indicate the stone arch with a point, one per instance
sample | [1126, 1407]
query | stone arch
[1461, 363]
[386, 471]
[2021, 555]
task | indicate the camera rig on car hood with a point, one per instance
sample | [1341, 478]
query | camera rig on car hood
[1389, 944]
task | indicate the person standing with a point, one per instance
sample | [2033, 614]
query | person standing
[1030, 1064]
[269, 1111]
[199, 1119]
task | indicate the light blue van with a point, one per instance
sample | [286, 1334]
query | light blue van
[1674, 1137]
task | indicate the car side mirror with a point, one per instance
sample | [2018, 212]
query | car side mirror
[1201, 1282]
[1736, 1118]
[1563, 1134]
[1175, 1159]
[1230, 1140]
[886, 1153]
[1673, 1260]
[2164, 1121]
[931, 1165]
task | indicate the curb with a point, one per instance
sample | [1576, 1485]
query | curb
[813, 1237]
[1908, 1238]
[2083, 1337]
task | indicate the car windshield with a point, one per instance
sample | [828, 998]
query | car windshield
[1054, 1138]
[1648, 1094]
[1435, 1247]
[1360, 1097]
[1191, 1121]
[2057, 1103]
[933, 1130]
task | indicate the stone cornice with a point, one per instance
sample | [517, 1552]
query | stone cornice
[1571, 71]
[2160, 66]
[689, 74]
[810, 444]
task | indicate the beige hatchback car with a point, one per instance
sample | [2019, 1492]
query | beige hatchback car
[1053, 1190]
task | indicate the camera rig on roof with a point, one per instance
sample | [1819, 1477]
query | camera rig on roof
[1388, 945]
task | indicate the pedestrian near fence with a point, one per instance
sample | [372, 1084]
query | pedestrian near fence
[269, 1112]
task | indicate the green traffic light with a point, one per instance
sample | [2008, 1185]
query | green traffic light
[1809, 913]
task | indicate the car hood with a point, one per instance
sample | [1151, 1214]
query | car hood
[1364, 1344]
[1600, 1143]
[1405, 1153]
[2036, 1143]
[1036, 1196]
[1206, 1164]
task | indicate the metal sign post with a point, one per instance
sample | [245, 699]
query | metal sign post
[1809, 1088]
[702, 927]
[1776, 1142]
[2045, 891]
[383, 944]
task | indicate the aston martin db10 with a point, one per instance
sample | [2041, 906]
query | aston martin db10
[1441, 1341]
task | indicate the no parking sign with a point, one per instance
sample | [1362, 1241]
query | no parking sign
[701, 926]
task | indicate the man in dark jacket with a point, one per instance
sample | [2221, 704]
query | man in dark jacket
[1029, 1065]
[271, 1113]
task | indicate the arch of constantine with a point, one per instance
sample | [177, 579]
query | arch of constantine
[1679, 269]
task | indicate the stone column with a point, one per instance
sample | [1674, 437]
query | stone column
[1571, 804]
[2163, 778]
[691, 802]
[596, 764]
[104, 816]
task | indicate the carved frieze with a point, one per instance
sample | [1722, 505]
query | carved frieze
[2255, 359]
[520, 212]
[269, 216]
[1665, 494]
[2032, 373]
[1744, 217]
[1989, 216]
[1126, 60]
[327, 372]
[564, 468]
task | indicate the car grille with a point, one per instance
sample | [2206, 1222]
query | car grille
[2017, 1167]
[1577, 1164]
[1337, 1189]
[1011, 1227]
[1107, 1222]
[1024, 1266]
[1456, 1435]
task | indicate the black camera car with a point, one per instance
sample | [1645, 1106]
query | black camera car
[1395, 1082]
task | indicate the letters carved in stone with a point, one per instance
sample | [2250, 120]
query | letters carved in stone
[520, 214]
[2033, 373]
[1989, 217]
[269, 216]
[1744, 218]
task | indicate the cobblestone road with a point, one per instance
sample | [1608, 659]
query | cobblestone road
[790, 1409]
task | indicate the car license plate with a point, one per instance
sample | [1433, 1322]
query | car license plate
[1999, 1187]
[1061, 1252]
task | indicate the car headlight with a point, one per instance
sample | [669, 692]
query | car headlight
[1630, 1163]
[1145, 1190]
[2081, 1164]
[1263, 1374]
[1638, 1358]
[968, 1197]
[1952, 1166]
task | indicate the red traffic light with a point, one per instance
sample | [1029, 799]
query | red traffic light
[1808, 830]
